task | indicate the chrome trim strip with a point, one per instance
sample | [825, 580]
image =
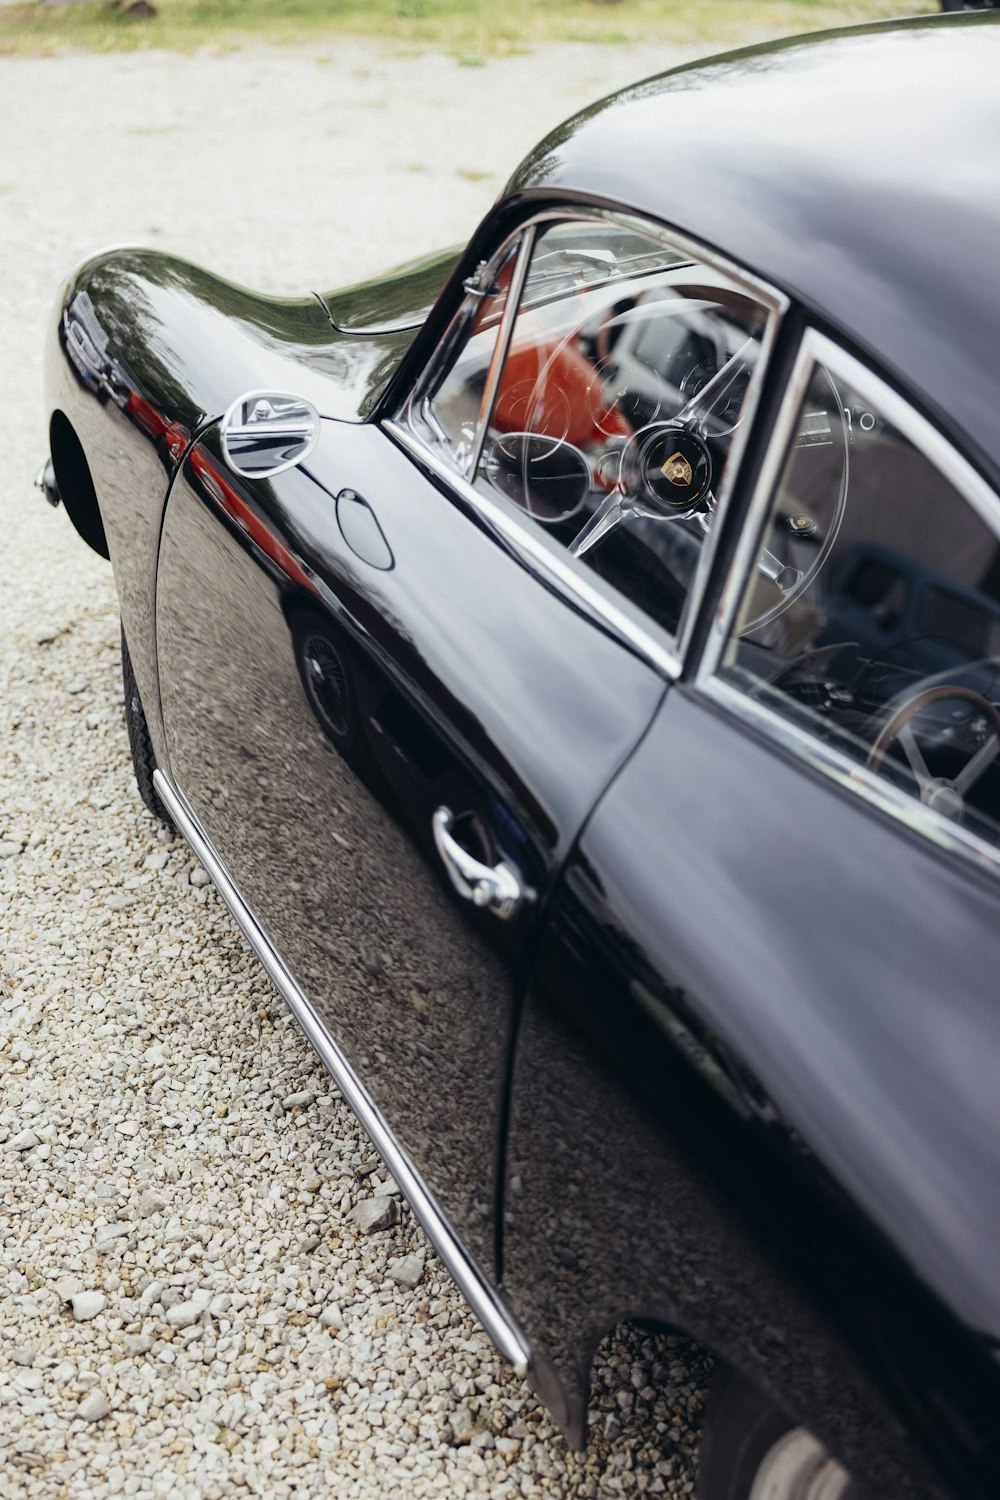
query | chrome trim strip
[778, 306]
[674, 239]
[858, 779]
[817, 349]
[484, 1301]
[756, 518]
[553, 562]
[504, 333]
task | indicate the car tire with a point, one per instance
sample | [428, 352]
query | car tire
[140, 744]
[750, 1450]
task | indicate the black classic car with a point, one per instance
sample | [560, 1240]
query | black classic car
[576, 660]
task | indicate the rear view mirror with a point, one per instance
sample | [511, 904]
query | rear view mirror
[264, 432]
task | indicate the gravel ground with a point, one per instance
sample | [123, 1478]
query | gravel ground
[187, 1307]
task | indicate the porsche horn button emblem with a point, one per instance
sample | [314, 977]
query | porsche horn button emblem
[677, 470]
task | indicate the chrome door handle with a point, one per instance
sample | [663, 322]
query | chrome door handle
[496, 887]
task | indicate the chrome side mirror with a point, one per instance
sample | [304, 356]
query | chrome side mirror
[264, 432]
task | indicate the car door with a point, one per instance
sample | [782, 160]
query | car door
[770, 969]
[390, 702]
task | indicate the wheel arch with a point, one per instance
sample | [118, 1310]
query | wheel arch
[75, 483]
[566, 1390]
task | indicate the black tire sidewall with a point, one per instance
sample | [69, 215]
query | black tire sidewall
[140, 744]
[740, 1427]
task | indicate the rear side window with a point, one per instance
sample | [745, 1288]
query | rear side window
[869, 613]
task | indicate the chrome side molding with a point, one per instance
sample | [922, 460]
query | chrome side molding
[481, 1297]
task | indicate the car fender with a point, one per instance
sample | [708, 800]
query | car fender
[144, 351]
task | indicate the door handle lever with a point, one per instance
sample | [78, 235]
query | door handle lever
[497, 888]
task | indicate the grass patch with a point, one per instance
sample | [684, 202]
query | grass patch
[465, 29]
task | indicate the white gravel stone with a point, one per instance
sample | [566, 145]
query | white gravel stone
[106, 1235]
[463, 1425]
[373, 1214]
[293, 1101]
[184, 1314]
[87, 1305]
[25, 1140]
[93, 1407]
[408, 1271]
[150, 1296]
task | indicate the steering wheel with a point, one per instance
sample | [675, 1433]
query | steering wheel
[666, 473]
[939, 792]
[665, 468]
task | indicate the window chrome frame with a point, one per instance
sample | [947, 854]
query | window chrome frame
[505, 333]
[662, 649]
[816, 350]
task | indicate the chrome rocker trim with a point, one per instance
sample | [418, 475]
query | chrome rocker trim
[481, 1297]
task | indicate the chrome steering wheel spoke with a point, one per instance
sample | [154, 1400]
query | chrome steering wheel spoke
[785, 578]
[973, 769]
[609, 514]
[712, 393]
[908, 744]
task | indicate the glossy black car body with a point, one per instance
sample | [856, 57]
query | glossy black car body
[726, 1060]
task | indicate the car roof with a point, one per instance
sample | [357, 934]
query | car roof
[857, 170]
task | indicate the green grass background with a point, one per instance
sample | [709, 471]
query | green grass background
[469, 29]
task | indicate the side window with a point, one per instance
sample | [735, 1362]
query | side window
[605, 415]
[870, 616]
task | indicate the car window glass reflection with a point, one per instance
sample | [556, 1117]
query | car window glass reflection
[871, 617]
[625, 379]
